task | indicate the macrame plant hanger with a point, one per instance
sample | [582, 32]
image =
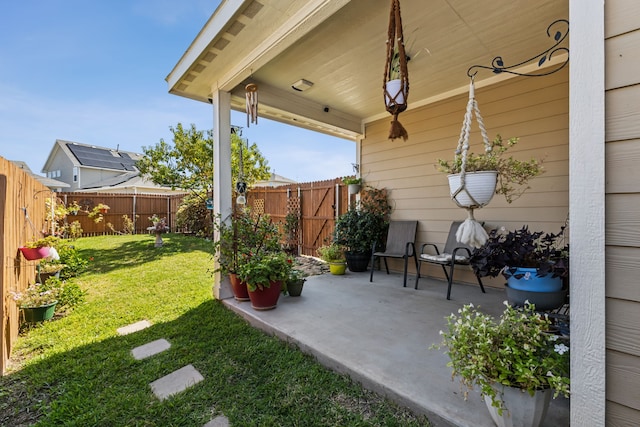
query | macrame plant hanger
[251, 94]
[470, 231]
[396, 99]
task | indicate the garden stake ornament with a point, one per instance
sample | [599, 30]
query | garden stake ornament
[396, 70]
[252, 103]
[470, 231]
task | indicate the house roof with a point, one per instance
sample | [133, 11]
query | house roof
[274, 181]
[340, 46]
[95, 157]
[51, 183]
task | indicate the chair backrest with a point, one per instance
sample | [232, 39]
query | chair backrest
[399, 234]
[452, 242]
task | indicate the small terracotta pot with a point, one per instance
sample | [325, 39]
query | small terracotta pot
[239, 288]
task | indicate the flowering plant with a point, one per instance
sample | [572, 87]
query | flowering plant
[261, 270]
[37, 295]
[516, 351]
[159, 223]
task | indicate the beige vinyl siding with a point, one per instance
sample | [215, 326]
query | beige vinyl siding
[622, 47]
[533, 109]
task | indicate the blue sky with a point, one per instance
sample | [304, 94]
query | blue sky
[93, 72]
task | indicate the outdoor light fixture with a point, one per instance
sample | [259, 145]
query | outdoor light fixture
[301, 85]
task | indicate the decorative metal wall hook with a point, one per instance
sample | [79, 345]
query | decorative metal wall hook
[560, 34]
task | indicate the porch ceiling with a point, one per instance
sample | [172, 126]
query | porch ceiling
[339, 45]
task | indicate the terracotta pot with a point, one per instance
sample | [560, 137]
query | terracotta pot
[33, 254]
[266, 298]
[239, 288]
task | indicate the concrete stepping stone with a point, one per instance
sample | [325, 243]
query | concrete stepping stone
[176, 382]
[150, 349]
[134, 327]
[219, 421]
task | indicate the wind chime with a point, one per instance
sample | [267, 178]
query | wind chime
[396, 74]
[251, 94]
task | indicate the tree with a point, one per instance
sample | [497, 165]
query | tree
[188, 163]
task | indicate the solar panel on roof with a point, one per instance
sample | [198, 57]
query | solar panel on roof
[101, 158]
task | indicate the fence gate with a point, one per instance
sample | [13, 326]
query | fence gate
[316, 203]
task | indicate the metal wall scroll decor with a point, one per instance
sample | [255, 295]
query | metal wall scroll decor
[560, 29]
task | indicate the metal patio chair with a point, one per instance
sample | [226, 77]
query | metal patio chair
[401, 238]
[454, 253]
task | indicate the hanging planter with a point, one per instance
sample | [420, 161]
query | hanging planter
[32, 254]
[477, 191]
[396, 74]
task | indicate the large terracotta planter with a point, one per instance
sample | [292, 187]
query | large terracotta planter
[239, 288]
[522, 409]
[478, 190]
[32, 254]
[266, 298]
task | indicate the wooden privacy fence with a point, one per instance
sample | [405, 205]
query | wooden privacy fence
[316, 205]
[137, 207]
[22, 213]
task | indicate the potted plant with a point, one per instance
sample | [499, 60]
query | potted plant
[159, 226]
[265, 273]
[47, 269]
[73, 208]
[295, 283]
[39, 248]
[98, 211]
[532, 262]
[514, 360]
[38, 301]
[353, 184]
[393, 85]
[334, 255]
[504, 175]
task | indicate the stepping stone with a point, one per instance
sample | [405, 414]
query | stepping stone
[134, 327]
[219, 421]
[150, 349]
[176, 382]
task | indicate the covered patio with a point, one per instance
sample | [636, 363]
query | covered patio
[379, 334]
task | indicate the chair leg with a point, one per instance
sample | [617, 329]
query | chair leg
[450, 279]
[446, 274]
[386, 266]
[406, 262]
[480, 283]
[418, 265]
[373, 267]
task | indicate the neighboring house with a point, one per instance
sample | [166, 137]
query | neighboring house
[274, 181]
[52, 184]
[89, 168]
[339, 46]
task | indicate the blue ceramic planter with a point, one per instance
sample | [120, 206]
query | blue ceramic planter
[527, 279]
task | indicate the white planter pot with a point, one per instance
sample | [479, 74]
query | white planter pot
[479, 186]
[353, 188]
[393, 88]
[522, 409]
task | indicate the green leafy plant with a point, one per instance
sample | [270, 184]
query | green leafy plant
[73, 208]
[513, 175]
[331, 253]
[38, 294]
[75, 230]
[49, 241]
[48, 267]
[261, 271]
[504, 251]
[348, 180]
[516, 350]
[97, 212]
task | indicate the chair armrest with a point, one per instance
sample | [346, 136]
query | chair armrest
[424, 245]
[410, 249]
[455, 251]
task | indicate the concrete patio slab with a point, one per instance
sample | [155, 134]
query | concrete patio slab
[134, 327]
[380, 335]
[150, 349]
[176, 382]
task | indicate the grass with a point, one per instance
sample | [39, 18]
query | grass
[76, 370]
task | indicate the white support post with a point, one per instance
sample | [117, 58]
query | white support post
[221, 176]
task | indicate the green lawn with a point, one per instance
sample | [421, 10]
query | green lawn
[77, 371]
